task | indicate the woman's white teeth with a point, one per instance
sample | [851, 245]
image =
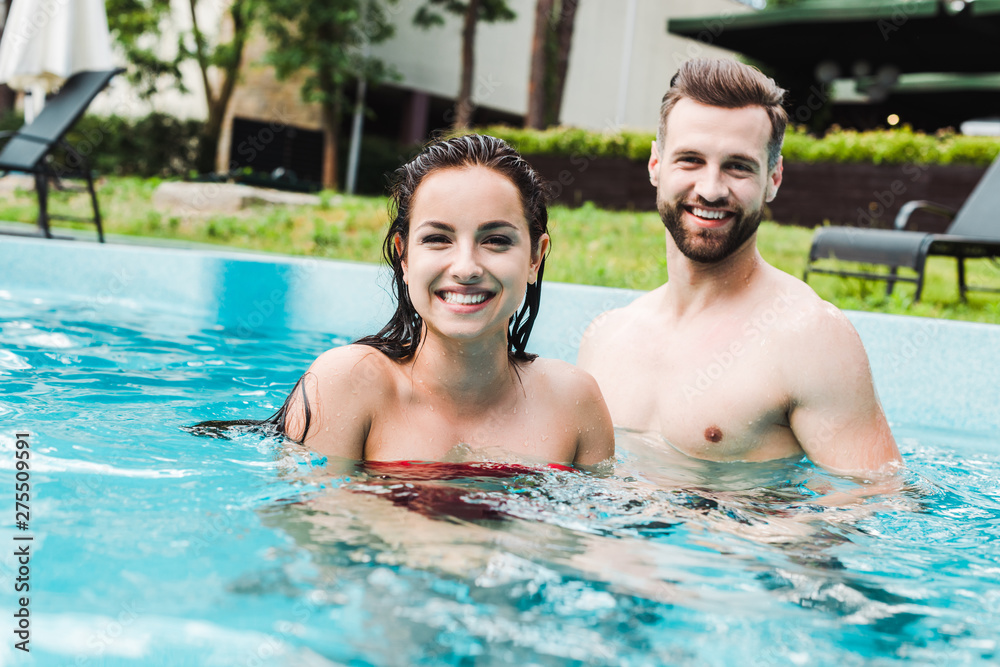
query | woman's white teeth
[463, 299]
[709, 215]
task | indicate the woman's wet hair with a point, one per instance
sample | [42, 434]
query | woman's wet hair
[400, 338]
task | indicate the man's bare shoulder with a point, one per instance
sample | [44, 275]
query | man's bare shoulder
[833, 408]
[607, 326]
[807, 312]
[812, 333]
[645, 306]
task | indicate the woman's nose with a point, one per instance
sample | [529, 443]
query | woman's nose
[466, 266]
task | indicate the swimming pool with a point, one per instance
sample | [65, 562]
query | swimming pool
[154, 546]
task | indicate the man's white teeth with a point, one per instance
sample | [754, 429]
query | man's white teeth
[463, 299]
[709, 215]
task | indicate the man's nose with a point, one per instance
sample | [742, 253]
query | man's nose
[711, 186]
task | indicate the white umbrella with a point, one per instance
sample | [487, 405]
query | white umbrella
[46, 41]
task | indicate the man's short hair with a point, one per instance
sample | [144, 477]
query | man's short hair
[731, 85]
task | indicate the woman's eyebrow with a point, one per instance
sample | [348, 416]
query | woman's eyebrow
[484, 227]
[443, 226]
[496, 224]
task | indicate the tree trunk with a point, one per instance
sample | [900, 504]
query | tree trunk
[7, 95]
[564, 32]
[463, 106]
[218, 102]
[330, 122]
[535, 117]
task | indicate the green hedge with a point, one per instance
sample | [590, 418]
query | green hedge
[898, 146]
[155, 145]
[161, 145]
[571, 141]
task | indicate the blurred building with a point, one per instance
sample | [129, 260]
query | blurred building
[863, 64]
[621, 62]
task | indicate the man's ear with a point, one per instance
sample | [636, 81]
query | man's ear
[397, 243]
[654, 165]
[774, 180]
[543, 247]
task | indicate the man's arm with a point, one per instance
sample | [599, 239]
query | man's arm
[834, 411]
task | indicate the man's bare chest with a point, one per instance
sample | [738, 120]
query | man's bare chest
[718, 397]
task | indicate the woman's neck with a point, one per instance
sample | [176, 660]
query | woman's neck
[463, 372]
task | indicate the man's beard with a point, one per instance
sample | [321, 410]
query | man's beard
[709, 246]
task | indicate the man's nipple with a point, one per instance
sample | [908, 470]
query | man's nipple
[713, 434]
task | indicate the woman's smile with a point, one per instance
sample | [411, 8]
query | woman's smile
[466, 301]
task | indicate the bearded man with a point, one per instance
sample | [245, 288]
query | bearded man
[732, 359]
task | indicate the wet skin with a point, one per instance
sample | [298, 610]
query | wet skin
[732, 359]
[467, 261]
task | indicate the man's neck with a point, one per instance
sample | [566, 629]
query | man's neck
[693, 287]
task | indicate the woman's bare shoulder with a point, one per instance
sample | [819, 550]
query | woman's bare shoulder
[355, 378]
[353, 363]
[572, 395]
[343, 390]
[562, 381]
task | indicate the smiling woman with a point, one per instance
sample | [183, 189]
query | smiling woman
[449, 376]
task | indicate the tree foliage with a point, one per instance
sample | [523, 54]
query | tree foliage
[325, 39]
[431, 13]
[136, 25]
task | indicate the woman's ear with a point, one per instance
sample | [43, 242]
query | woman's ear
[397, 243]
[536, 261]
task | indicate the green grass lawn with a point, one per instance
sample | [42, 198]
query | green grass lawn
[589, 245]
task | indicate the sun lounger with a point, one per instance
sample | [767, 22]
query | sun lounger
[974, 233]
[29, 149]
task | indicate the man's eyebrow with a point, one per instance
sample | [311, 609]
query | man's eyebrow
[679, 152]
[748, 159]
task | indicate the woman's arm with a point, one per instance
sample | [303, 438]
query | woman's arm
[596, 441]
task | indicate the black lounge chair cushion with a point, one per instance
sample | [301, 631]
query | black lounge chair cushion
[888, 247]
[964, 246]
[28, 146]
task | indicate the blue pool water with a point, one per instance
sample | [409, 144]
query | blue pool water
[154, 546]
